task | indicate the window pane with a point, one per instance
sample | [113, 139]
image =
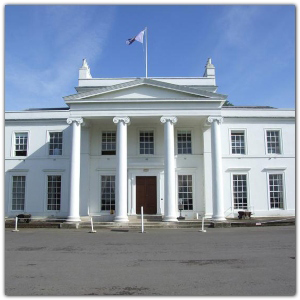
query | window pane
[18, 192]
[21, 143]
[185, 191]
[273, 142]
[146, 142]
[184, 142]
[108, 192]
[237, 142]
[276, 190]
[239, 184]
[109, 143]
[54, 192]
[55, 143]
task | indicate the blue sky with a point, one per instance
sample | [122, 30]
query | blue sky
[252, 48]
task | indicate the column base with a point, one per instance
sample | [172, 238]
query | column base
[121, 219]
[218, 218]
[169, 219]
[71, 219]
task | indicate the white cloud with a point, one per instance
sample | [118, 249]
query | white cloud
[76, 33]
[236, 24]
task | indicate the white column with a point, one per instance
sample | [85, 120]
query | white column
[170, 207]
[74, 215]
[217, 176]
[121, 174]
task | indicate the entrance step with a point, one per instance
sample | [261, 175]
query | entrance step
[150, 224]
[147, 218]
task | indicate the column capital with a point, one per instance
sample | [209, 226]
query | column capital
[211, 119]
[77, 120]
[126, 120]
[165, 119]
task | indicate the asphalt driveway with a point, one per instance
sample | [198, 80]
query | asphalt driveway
[227, 261]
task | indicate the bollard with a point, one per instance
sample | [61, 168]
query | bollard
[202, 230]
[142, 218]
[142, 212]
[92, 225]
[16, 225]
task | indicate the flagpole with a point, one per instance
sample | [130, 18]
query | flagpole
[146, 29]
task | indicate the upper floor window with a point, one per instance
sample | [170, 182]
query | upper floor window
[18, 192]
[108, 143]
[238, 142]
[21, 143]
[146, 142]
[184, 142]
[273, 142]
[55, 143]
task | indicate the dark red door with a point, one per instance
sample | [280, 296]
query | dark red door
[146, 194]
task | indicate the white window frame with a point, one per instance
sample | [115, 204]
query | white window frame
[61, 191]
[176, 140]
[276, 172]
[48, 142]
[11, 191]
[280, 142]
[193, 174]
[101, 143]
[103, 173]
[245, 141]
[232, 191]
[13, 148]
[146, 129]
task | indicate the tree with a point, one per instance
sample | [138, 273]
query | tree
[227, 103]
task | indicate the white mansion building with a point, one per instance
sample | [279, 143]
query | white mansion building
[124, 143]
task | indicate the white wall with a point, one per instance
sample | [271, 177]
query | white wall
[256, 163]
[37, 165]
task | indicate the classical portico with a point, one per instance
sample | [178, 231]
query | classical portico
[169, 167]
[146, 101]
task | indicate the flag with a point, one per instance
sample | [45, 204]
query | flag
[139, 38]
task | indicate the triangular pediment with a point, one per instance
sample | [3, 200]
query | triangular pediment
[144, 89]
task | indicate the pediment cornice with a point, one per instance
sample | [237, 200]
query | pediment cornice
[146, 82]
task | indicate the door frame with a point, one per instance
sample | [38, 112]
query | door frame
[132, 174]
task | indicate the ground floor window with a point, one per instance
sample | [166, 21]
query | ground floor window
[18, 192]
[108, 192]
[54, 192]
[185, 191]
[276, 190]
[240, 194]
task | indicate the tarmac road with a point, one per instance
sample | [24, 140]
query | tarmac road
[255, 261]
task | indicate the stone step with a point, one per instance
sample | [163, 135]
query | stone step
[132, 225]
[147, 218]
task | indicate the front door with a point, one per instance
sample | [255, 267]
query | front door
[146, 194]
